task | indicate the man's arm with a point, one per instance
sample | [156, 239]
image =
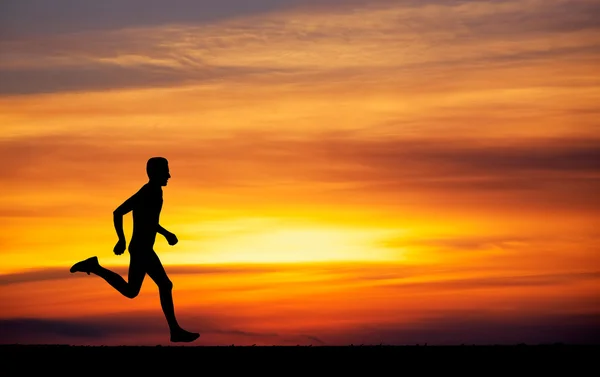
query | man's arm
[171, 238]
[121, 211]
[118, 214]
[162, 231]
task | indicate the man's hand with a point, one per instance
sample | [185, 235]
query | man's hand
[120, 247]
[171, 238]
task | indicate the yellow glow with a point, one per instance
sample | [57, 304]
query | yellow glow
[272, 243]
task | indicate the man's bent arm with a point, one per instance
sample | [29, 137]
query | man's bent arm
[161, 230]
[118, 214]
[118, 220]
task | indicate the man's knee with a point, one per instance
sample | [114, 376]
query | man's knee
[132, 292]
[166, 284]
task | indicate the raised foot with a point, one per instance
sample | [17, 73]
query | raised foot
[182, 336]
[87, 265]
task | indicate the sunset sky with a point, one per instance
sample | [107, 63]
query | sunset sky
[343, 171]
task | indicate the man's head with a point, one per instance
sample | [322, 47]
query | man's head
[158, 170]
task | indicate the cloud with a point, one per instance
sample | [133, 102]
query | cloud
[244, 333]
[349, 155]
[315, 339]
[318, 303]
[467, 243]
[34, 276]
[96, 76]
[449, 328]
[13, 329]
[497, 282]
[349, 272]
[47, 274]
[562, 172]
[446, 328]
[389, 276]
[536, 17]
[133, 44]
[137, 328]
[34, 17]
[478, 328]
[475, 156]
[31, 17]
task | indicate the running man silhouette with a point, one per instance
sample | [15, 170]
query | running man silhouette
[146, 205]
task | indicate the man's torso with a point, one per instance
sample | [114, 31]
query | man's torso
[146, 215]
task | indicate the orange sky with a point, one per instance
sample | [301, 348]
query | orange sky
[352, 172]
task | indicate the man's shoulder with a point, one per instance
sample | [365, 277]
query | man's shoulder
[143, 189]
[149, 189]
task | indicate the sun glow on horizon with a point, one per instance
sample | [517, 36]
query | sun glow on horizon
[281, 244]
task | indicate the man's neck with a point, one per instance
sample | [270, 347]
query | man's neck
[154, 185]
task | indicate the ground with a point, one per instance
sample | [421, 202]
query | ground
[387, 360]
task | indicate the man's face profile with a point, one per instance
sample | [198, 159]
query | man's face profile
[162, 174]
[158, 171]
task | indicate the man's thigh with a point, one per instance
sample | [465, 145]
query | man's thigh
[137, 270]
[155, 269]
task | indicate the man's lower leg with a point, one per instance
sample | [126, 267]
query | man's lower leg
[91, 265]
[166, 302]
[177, 333]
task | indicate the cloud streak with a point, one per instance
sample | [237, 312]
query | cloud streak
[68, 16]
[558, 168]
[387, 275]
[441, 329]
[110, 330]
[105, 76]
[47, 274]
[477, 328]
[362, 41]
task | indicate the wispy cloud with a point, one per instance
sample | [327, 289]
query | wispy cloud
[479, 328]
[114, 330]
[105, 76]
[388, 275]
[24, 328]
[534, 170]
[67, 16]
[450, 328]
[45, 274]
[361, 42]
[561, 280]
[465, 243]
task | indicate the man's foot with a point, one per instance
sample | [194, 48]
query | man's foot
[183, 336]
[87, 265]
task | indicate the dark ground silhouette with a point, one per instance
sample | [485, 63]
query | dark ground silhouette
[145, 206]
[538, 360]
